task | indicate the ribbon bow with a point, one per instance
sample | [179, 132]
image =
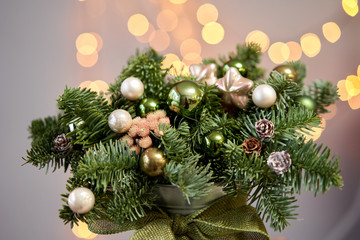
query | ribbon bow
[227, 218]
[205, 73]
[235, 88]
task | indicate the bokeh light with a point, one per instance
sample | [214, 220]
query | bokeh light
[146, 37]
[190, 46]
[316, 132]
[310, 44]
[138, 24]
[295, 51]
[82, 231]
[354, 102]
[178, 1]
[167, 20]
[179, 68]
[213, 33]
[95, 8]
[183, 30]
[159, 40]
[99, 41]
[207, 13]
[352, 85]
[86, 43]
[342, 92]
[358, 71]
[260, 38]
[279, 52]
[169, 59]
[332, 112]
[351, 7]
[192, 58]
[331, 31]
[87, 60]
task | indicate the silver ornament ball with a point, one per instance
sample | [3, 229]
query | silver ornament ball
[264, 96]
[81, 200]
[132, 88]
[120, 121]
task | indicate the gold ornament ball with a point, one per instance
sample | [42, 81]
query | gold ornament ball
[184, 97]
[288, 70]
[236, 64]
[264, 96]
[152, 162]
[148, 105]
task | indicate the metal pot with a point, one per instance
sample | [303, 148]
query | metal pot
[172, 201]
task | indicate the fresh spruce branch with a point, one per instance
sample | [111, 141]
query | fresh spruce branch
[276, 205]
[42, 153]
[89, 112]
[312, 167]
[193, 180]
[323, 93]
[105, 165]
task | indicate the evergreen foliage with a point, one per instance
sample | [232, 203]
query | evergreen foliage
[109, 167]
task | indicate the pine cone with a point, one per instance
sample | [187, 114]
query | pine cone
[264, 129]
[252, 145]
[279, 162]
[62, 144]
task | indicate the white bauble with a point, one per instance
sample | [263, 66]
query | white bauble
[120, 121]
[81, 200]
[264, 96]
[132, 88]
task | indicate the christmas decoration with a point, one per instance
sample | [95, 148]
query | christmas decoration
[264, 96]
[205, 73]
[288, 70]
[132, 88]
[279, 162]
[235, 88]
[148, 105]
[152, 162]
[236, 64]
[184, 97]
[81, 200]
[127, 151]
[264, 129]
[308, 102]
[120, 121]
[62, 144]
[213, 142]
[252, 145]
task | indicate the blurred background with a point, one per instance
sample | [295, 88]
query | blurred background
[47, 45]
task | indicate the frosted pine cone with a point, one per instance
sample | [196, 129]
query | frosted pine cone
[279, 162]
[264, 129]
[62, 144]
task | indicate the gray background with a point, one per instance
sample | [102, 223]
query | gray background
[37, 61]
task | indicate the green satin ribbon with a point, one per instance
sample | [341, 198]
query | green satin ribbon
[227, 218]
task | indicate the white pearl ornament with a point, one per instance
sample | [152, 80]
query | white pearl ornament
[81, 200]
[120, 120]
[132, 88]
[264, 96]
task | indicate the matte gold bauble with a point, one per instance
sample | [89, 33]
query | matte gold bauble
[184, 97]
[288, 70]
[152, 162]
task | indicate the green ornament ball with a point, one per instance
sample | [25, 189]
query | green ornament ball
[236, 64]
[308, 102]
[184, 97]
[148, 105]
[213, 142]
[288, 70]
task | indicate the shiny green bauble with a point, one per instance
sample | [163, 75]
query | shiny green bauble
[148, 105]
[288, 70]
[152, 162]
[213, 143]
[308, 102]
[236, 64]
[184, 97]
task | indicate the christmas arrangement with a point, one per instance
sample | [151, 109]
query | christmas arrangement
[222, 126]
